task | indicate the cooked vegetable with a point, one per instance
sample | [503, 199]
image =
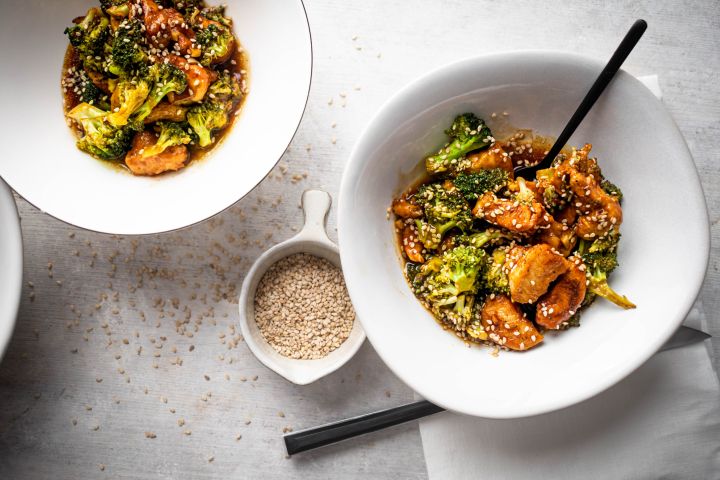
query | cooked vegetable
[225, 88]
[127, 55]
[496, 279]
[204, 119]
[216, 43]
[444, 209]
[171, 134]
[611, 189]
[166, 78]
[127, 98]
[467, 133]
[600, 258]
[116, 8]
[101, 139]
[473, 185]
[88, 38]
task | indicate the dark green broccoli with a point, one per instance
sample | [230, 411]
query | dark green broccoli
[473, 185]
[88, 38]
[217, 13]
[443, 209]
[205, 118]
[116, 8]
[600, 258]
[100, 138]
[127, 55]
[480, 239]
[89, 93]
[611, 189]
[171, 134]
[216, 42]
[495, 280]
[448, 283]
[185, 6]
[129, 95]
[467, 133]
[225, 88]
[165, 78]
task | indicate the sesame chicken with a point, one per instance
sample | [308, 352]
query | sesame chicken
[510, 214]
[507, 326]
[199, 79]
[533, 272]
[411, 244]
[404, 208]
[173, 158]
[493, 157]
[564, 298]
[164, 25]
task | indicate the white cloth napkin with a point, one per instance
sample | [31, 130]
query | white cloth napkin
[661, 422]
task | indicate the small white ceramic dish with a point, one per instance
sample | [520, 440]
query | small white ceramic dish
[11, 265]
[663, 254]
[40, 160]
[312, 239]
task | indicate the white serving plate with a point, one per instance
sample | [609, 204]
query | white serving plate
[40, 160]
[11, 265]
[663, 254]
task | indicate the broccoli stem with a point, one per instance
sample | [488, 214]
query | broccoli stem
[599, 286]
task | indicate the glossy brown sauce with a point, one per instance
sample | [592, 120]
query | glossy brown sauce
[241, 69]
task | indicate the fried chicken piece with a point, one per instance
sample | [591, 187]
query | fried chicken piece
[507, 326]
[402, 207]
[412, 244]
[493, 157]
[564, 298]
[510, 214]
[599, 211]
[173, 158]
[532, 273]
[560, 231]
[167, 24]
[198, 81]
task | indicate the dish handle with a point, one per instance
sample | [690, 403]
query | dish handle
[315, 205]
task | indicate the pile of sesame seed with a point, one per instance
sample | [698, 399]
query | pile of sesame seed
[302, 307]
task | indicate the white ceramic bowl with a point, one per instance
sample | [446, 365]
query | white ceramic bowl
[40, 160]
[663, 254]
[311, 239]
[11, 265]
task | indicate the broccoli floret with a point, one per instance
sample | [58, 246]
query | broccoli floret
[216, 43]
[473, 185]
[129, 95]
[448, 283]
[171, 134]
[89, 93]
[89, 37]
[185, 6]
[217, 13]
[600, 258]
[225, 88]
[165, 78]
[611, 189]
[467, 133]
[443, 209]
[480, 239]
[495, 279]
[205, 118]
[116, 8]
[127, 55]
[101, 139]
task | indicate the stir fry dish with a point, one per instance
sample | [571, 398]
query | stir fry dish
[152, 84]
[501, 260]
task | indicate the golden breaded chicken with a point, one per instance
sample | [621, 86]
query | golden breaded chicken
[493, 157]
[510, 214]
[404, 209]
[412, 244]
[564, 298]
[198, 80]
[173, 158]
[507, 326]
[163, 25]
[534, 271]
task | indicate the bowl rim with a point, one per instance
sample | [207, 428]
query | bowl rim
[176, 229]
[15, 291]
[354, 166]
